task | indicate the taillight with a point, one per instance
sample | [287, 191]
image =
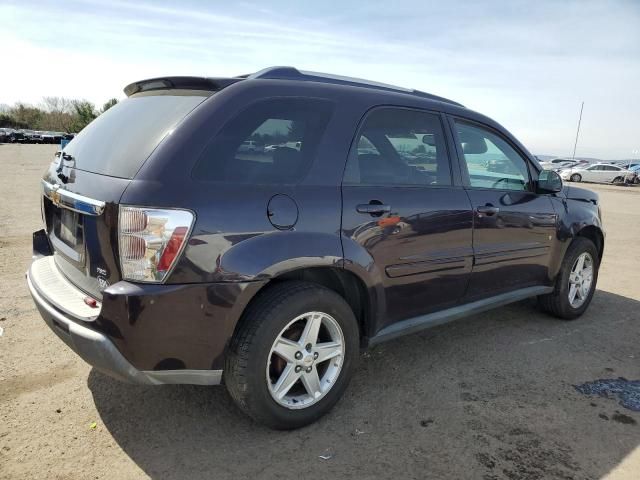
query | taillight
[150, 240]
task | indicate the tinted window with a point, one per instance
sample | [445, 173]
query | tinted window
[491, 162]
[399, 147]
[271, 142]
[119, 141]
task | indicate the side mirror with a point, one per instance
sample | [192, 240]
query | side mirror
[549, 181]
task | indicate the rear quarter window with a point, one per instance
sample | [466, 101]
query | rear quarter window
[273, 141]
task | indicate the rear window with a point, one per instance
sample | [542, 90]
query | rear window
[119, 141]
[273, 141]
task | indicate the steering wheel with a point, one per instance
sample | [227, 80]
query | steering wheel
[497, 182]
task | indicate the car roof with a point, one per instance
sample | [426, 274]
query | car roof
[275, 73]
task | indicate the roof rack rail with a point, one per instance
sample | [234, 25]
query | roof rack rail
[291, 73]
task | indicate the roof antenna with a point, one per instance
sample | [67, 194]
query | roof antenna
[575, 145]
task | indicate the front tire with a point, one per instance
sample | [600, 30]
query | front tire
[576, 281]
[293, 354]
[576, 177]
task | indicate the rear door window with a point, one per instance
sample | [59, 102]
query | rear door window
[119, 141]
[399, 146]
[273, 141]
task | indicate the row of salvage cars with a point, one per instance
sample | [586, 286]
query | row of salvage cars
[11, 135]
[619, 173]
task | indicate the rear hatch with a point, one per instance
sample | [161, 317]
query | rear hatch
[84, 183]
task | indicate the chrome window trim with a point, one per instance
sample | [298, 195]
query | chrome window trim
[72, 201]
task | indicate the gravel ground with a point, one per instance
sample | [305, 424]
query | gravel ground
[489, 397]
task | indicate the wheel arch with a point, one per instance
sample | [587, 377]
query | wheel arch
[594, 234]
[347, 284]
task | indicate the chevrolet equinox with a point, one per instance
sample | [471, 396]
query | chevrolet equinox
[173, 253]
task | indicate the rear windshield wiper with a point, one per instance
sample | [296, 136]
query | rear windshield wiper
[65, 157]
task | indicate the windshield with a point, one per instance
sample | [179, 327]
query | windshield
[119, 141]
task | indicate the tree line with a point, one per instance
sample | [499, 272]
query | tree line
[56, 114]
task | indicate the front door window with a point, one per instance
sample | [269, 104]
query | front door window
[491, 162]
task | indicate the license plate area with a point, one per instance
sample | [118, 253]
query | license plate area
[69, 228]
[67, 234]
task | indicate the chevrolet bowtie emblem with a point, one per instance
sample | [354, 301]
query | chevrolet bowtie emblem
[54, 195]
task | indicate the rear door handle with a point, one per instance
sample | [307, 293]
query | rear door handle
[487, 210]
[373, 208]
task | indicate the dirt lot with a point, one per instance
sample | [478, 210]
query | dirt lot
[489, 397]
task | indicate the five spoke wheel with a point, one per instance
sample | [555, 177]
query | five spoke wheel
[305, 360]
[580, 280]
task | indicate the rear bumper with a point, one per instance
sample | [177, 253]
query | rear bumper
[129, 339]
[93, 347]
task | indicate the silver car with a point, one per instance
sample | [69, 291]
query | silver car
[598, 173]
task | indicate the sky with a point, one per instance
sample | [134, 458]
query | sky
[527, 64]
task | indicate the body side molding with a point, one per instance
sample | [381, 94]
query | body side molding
[423, 322]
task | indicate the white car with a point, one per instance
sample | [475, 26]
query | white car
[563, 163]
[599, 173]
[558, 166]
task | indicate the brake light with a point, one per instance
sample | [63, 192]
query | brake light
[150, 240]
[173, 247]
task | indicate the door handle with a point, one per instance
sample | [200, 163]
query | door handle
[375, 209]
[487, 210]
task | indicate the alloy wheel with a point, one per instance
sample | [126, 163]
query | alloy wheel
[305, 360]
[580, 280]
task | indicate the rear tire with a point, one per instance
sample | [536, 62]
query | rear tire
[576, 177]
[255, 373]
[559, 303]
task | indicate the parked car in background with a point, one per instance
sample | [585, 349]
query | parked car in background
[52, 137]
[598, 173]
[564, 165]
[31, 136]
[576, 161]
[48, 137]
[19, 136]
[557, 166]
[16, 136]
[559, 160]
[5, 135]
[182, 259]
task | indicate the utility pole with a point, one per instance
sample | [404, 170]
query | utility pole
[575, 145]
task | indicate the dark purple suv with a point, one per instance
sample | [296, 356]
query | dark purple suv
[258, 231]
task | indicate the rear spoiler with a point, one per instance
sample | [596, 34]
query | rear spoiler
[184, 83]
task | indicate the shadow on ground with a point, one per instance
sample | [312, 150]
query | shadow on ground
[488, 397]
